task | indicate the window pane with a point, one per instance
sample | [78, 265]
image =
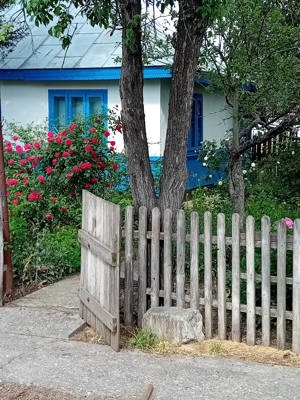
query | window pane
[193, 126]
[95, 105]
[76, 107]
[199, 117]
[59, 112]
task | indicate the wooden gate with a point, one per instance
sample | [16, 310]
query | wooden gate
[99, 280]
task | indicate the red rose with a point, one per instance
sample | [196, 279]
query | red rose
[112, 143]
[63, 133]
[94, 180]
[15, 137]
[48, 216]
[112, 149]
[54, 162]
[68, 142]
[23, 162]
[15, 202]
[11, 182]
[115, 167]
[69, 176]
[64, 208]
[54, 199]
[18, 194]
[106, 134]
[58, 139]
[31, 158]
[9, 149]
[56, 155]
[34, 196]
[25, 181]
[94, 141]
[41, 179]
[101, 165]
[50, 135]
[49, 170]
[19, 149]
[37, 145]
[72, 151]
[65, 154]
[86, 165]
[75, 169]
[93, 130]
[11, 162]
[118, 127]
[73, 127]
[87, 186]
[27, 147]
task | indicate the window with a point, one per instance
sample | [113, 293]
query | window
[65, 105]
[196, 129]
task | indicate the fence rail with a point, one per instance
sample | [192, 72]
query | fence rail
[169, 266]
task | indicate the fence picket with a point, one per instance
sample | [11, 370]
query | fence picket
[265, 280]
[250, 254]
[128, 292]
[180, 272]
[168, 258]
[1, 258]
[296, 287]
[194, 249]
[281, 284]
[221, 277]
[207, 274]
[236, 334]
[155, 257]
[142, 259]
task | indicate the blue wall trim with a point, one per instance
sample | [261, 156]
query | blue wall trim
[71, 74]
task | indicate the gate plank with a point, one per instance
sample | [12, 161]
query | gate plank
[296, 287]
[208, 274]
[236, 309]
[265, 280]
[142, 255]
[167, 258]
[97, 248]
[95, 307]
[250, 253]
[180, 272]
[221, 277]
[155, 257]
[281, 284]
[128, 292]
[194, 249]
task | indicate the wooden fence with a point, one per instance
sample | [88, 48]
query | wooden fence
[196, 269]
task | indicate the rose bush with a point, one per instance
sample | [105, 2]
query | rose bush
[45, 175]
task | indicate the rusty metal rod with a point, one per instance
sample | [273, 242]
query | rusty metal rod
[8, 274]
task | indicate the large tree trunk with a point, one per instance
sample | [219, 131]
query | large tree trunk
[133, 116]
[190, 32]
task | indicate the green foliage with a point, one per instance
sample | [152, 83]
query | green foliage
[144, 340]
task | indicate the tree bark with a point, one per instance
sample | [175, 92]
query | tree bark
[190, 32]
[133, 115]
[236, 179]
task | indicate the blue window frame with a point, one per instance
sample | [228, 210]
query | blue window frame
[65, 105]
[196, 129]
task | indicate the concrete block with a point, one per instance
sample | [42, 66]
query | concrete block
[177, 325]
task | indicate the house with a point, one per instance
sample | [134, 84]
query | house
[39, 82]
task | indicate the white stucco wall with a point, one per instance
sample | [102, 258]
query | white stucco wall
[27, 102]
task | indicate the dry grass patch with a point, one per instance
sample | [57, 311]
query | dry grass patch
[267, 355]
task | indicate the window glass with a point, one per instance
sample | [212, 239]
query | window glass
[94, 105]
[60, 112]
[76, 107]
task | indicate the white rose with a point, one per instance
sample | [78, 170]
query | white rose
[204, 164]
[244, 171]
[210, 176]
[220, 183]
[293, 152]
[205, 158]
[253, 164]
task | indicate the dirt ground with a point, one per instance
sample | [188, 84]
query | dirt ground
[21, 392]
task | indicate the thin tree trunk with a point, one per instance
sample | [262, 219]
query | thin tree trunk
[236, 179]
[190, 32]
[133, 115]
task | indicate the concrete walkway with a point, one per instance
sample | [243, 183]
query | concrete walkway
[34, 349]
